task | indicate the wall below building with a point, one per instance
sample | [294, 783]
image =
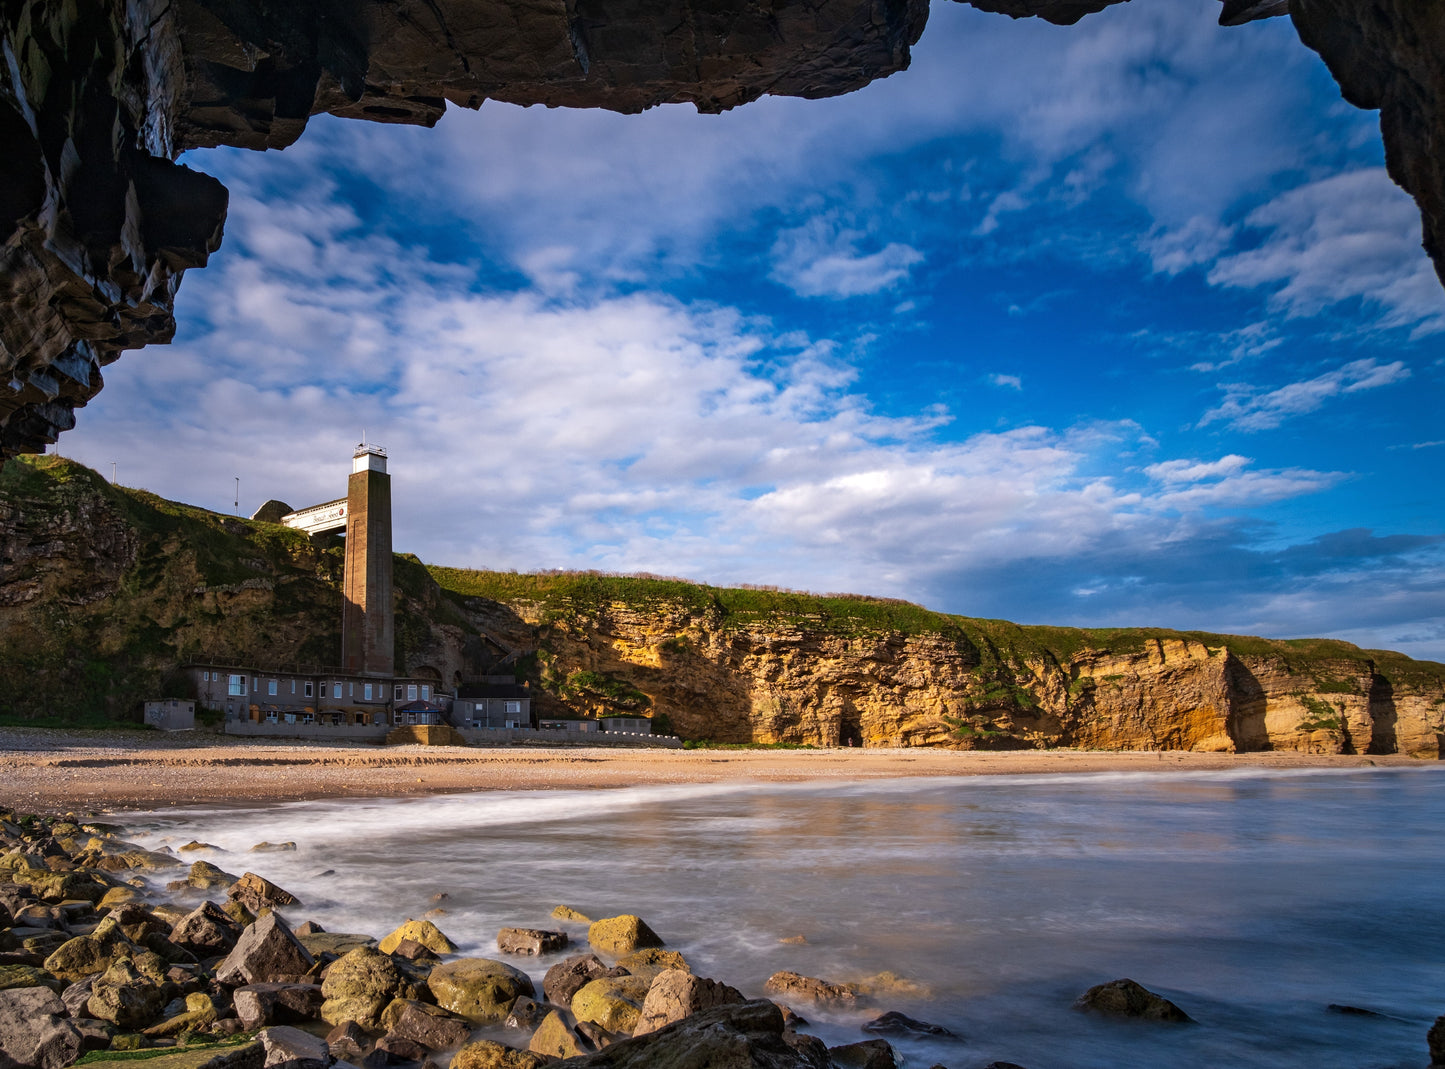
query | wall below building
[318, 732]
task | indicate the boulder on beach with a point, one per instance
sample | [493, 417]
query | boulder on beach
[337, 943]
[200, 1013]
[266, 953]
[207, 931]
[821, 992]
[291, 1048]
[1436, 1040]
[653, 961]
[745, 1036]
[430, 1026]
[259, 1005]
[257, 893]
[869, 1054]
[675, 994]
[557, 1038]
[424, 932]
[34, 1031]
[894, 1023]
[480, 989]
[526, 1013]
[128, 996]
[487, 1054]
[1125, 998]
[88, 955]
[622, 934]
[614, 1002]
[565, 978]
[348, 1042]
[567, 913]
[360, 985]
[530, 941]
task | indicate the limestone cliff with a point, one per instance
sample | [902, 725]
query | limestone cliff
[758, 666]
[104, 591]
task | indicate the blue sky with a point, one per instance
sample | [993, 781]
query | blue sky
[1114, 324]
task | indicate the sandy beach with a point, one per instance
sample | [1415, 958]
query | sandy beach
[48, 771]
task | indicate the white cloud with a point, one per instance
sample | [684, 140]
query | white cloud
[1245, 408]
[1193, 471]
[1352, 236]
[822, 259]
[1010, 382]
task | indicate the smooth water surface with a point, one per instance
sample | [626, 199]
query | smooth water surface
[1253, 900]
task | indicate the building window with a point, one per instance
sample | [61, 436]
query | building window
[411, 692]
[513, 707]
[309, 686]
[366, 692]
[271, 687]
[396, 692]
[425, 693]
[270, 718]
[205, 677]
[236, 687]
[351, 690]
[293, 686]
[336, 691]
[256, 683]
[307, 718]
[290, 718]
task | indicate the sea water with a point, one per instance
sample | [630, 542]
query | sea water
[1253, 900]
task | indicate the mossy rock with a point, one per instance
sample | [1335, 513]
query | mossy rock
[424, 932]
[622, 935]
[360, 985]
[567, 913]
[614, 1002]
[480, 989]
[338, 943]
[486, 1054]
[28, 976]
[652, 961]
[555, 1038]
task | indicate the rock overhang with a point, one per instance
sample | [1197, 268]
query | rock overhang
[98, 97]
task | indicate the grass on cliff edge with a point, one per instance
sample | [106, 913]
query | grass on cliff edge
[562, 595]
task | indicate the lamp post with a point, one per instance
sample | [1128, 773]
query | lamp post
[238, 495]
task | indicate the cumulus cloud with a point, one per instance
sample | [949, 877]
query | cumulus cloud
[1353, 236]
[1008, 382]
[822, 259]
[1246, 408]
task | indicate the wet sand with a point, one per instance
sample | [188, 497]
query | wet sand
[46, 771]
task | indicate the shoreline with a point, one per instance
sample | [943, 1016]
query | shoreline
[51, 771]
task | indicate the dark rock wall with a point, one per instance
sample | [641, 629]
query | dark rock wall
[97, 97]
[1390, 55]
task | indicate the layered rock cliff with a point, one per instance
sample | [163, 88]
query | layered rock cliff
[759, 666]
[98, 97]
[105, 591]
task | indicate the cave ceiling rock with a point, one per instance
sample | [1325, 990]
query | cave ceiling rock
[98, 98]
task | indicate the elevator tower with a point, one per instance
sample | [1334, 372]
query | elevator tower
[367, 621]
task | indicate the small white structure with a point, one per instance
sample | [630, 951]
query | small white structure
[171, 714]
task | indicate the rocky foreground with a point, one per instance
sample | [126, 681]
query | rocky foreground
[96, 966]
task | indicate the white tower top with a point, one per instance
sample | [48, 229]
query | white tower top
[368, 457]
